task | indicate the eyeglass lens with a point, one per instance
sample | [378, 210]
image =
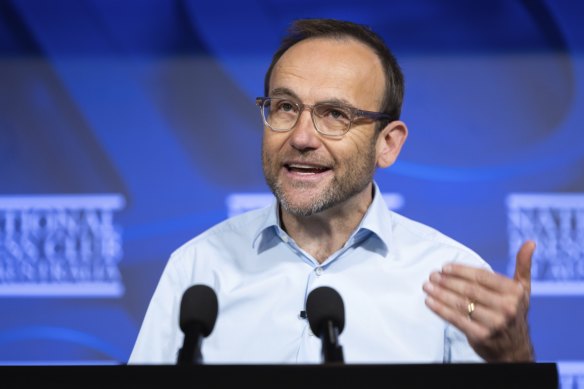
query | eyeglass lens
[329, 119]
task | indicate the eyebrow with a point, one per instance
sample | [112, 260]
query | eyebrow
[283, 92]
[286, 92]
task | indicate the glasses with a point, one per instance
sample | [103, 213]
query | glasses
[329, 119]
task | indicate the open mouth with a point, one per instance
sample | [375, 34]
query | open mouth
[305, 169]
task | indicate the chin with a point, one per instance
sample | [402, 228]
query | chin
[306, 207]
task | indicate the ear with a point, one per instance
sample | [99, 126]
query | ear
[389, 143]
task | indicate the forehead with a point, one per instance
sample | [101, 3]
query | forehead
[317, 69]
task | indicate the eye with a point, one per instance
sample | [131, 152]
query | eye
[337, 114]
[285, 106]
[333, 112]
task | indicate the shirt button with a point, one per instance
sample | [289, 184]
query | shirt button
[318, 271]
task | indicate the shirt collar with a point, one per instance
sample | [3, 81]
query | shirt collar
[270, 224]
[377, 219]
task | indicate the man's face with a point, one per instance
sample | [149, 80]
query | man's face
[309, 172]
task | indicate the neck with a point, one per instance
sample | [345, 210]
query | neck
[324, 233]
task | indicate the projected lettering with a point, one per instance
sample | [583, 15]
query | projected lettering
[60, 245]
[571, 374]
[556, 223]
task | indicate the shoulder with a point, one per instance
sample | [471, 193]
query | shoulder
[233, 233]
[412, 235]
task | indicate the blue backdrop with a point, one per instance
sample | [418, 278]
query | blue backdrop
[144, 111]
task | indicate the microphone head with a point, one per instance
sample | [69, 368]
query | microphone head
[198, 308]
[324, 304]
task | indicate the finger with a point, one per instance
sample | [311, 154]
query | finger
[467, 290]
[483, 277]
[461, 303]
[480, 322]
[471, 326]
[523, 264]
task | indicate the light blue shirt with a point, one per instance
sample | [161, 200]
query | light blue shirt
[262, 279]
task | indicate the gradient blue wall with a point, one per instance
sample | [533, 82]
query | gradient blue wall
[154, 101]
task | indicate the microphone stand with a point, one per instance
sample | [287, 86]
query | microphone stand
[190, 352]
[332, 351]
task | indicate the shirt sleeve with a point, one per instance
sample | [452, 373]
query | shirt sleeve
[159, 338]
[456, 347]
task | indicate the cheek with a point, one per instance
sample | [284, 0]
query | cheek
[272, 142]
[359, 145]
[267, 150]
[270, 151]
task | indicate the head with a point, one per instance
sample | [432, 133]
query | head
[331, 62]
[303, 29]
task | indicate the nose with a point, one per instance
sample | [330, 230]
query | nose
[304, 136]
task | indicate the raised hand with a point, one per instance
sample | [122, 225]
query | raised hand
[489, 308]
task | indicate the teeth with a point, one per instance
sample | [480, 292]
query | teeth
[304, 167]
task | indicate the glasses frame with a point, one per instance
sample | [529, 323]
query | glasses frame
[355, 114]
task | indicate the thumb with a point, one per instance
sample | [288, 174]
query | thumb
[523, 264]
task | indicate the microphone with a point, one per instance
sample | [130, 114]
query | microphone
[198, 313]
[326, 316]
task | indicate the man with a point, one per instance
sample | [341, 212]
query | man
[411, 294]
